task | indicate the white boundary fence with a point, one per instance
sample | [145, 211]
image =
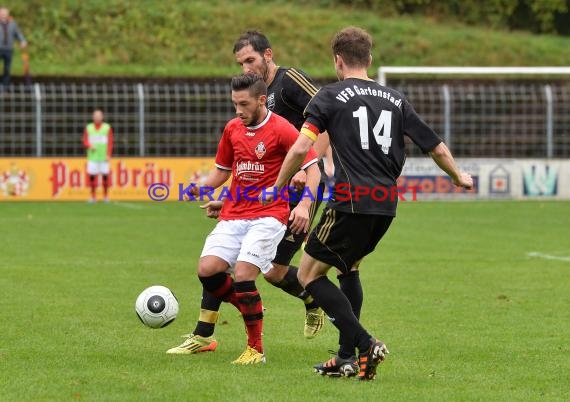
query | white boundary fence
[504, 119]
[529, 115]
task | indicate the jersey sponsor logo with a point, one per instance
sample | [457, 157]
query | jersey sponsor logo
[248, 167]
[250, 134]
[260, 150]
[271, 101]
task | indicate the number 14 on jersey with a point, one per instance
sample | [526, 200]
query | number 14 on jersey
[384, 125]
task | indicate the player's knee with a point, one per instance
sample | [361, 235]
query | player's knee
[242, 276]
[276, 273]
[207, 267]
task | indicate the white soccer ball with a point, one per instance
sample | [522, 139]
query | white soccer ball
[156, 306]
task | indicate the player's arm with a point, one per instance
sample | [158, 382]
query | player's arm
[223, 162]
[215, 179]
[322, 148]
[443, 158]
[431, 143]
[300, 215]
[295, 156]
[328, 161]
[20, 36]
[110, 144]
[86, 142]
[322, 145]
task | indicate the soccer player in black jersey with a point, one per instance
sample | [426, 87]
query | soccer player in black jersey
[366, 123]
[289, 91]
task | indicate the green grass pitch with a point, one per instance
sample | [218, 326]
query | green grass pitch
[467, 314]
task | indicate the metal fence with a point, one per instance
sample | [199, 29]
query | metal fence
[503, 119]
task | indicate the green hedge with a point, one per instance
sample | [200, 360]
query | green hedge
[194, 38]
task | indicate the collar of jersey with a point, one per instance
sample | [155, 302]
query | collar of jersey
[262, 123]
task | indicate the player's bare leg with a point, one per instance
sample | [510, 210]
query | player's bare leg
[93, 186]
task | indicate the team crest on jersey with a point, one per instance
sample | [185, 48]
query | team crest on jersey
[271, 101]
[260, 150]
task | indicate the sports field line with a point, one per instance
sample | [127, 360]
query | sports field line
[548, 256]
[128, 205]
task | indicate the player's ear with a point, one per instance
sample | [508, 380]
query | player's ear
[337, 60]
[262, 99]
[369, 61]
[268, 55]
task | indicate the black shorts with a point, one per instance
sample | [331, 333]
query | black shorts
[341, 239]
[291, 243]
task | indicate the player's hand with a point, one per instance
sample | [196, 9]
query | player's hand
[299, 180]
[464, 180]
[194, 192]
[212, 208]
[266, 198]
[300, 219]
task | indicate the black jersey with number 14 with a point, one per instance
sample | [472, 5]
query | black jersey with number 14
[366, 123]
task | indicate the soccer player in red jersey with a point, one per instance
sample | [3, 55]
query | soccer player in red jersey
[252, 148]
[289, 90]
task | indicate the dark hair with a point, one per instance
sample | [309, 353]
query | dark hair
[353, 45]
[256, 39]
[251, 81]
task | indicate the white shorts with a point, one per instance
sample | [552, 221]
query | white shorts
[97, 167]
[249, 240]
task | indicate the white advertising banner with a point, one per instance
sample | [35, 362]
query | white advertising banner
[493, 178]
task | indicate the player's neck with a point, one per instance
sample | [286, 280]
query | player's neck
[272, 71]
[356, 73]
[262, 117]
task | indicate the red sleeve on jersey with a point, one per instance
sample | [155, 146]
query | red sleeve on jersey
[110, 143]
[311, 158]
[225, 154]
[86, 139]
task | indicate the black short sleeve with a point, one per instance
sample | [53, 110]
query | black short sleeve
[418, 130]
[298, 88]
[317, 111]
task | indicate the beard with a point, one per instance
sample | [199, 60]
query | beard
[264, 72]
[255, 117]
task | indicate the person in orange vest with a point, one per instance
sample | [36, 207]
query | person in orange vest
[98, 141]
